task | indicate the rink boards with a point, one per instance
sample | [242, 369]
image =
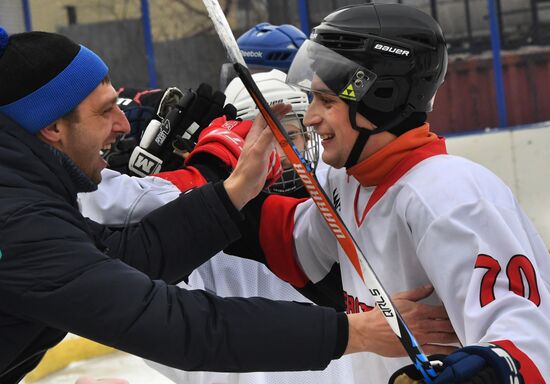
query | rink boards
[520, 156]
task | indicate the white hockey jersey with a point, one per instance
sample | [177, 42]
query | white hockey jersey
[441, 220]
[121, 200]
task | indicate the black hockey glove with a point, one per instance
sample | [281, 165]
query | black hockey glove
[166, 124]
[140, 106]
[164, 143]
[469, 365]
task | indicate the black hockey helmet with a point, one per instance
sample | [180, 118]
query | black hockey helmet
[399, 49]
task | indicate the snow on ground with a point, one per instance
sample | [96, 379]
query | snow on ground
[116, 364]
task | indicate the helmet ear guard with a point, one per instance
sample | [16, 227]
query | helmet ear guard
[387, 95]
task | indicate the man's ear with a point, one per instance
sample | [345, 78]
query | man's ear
[363, 122]
[52, 134]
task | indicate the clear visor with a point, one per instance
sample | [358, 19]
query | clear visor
[317, 68]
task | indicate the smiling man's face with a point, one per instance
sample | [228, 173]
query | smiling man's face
[95, 125]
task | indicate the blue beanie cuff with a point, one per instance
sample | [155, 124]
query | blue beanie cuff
[60, 95]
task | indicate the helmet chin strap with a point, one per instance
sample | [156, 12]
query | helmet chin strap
[365, 133]
[361, 140]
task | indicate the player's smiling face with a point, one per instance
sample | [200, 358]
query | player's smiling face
[330, 116]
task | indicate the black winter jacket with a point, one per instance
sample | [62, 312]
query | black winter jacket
[60, 272]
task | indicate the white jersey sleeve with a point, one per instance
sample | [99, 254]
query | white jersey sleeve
[121, 199]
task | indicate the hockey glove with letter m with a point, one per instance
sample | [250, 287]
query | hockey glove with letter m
[140, 107]
[175, 128]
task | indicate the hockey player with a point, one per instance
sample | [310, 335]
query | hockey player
[419, 215]
[230, 276]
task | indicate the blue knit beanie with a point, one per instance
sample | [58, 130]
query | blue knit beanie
[44, 76]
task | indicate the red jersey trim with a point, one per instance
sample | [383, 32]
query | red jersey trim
[433, 148]
[184, 179]
[528, 370]
[276, 227]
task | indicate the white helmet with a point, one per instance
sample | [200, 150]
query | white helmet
[275, 90]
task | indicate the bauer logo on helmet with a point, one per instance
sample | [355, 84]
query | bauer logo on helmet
[389, 49]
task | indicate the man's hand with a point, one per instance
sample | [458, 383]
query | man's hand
[370, 332]
[256, 161]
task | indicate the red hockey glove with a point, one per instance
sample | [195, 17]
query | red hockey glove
[275, 169]
[224, 141]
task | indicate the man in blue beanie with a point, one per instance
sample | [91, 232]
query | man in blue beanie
[61, 272]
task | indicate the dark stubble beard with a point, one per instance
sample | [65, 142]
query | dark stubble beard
[75, 137]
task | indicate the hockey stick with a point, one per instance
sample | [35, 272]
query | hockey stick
[335, 223]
